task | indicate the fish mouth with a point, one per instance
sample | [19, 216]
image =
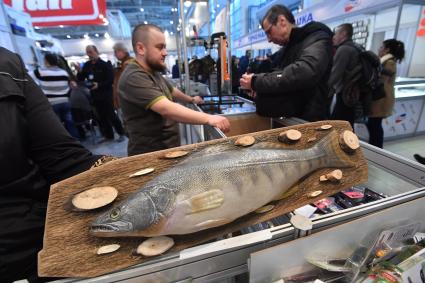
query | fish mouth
[111, 228]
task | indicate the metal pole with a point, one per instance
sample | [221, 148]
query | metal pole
[209, 24]
[186, 63]
[179, 51]
[397, 23]
[229, 45]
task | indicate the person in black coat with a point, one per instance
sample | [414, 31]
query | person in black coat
[298, 86]
[99, 78]
[175, 72]
[346, 59]
[35, 152]
[244, 62]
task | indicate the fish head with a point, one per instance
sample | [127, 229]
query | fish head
[135, 214]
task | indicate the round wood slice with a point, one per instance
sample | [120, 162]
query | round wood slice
[323, 178]
[142, 172]
[325, 127]
[107, 249]
[301, 222]
[290, 136]
[176, 154]
[349, 141]
[334, 176]
[245, 141]
[155, 246]
[94, 198]
[315, 194]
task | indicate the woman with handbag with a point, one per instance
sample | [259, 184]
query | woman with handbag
[391, 52]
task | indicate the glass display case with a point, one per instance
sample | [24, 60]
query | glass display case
[408, 118]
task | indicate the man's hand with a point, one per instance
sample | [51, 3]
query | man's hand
[95, 86]
[73, 84]
[197, 100]
[220, 122]
[76, 66]
[252, 94]
[245, 81]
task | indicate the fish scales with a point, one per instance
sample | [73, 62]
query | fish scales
[212, 188]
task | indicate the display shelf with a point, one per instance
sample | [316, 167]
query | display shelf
[408, 118]
[289, 259]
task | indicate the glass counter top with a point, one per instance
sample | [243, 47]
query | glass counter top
[228, 105]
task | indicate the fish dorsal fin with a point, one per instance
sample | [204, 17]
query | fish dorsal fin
[215, 149]
[270, 145]
[208, 151]
[205, 201]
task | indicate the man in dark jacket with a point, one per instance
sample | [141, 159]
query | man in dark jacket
[244, 62]
[35, 152]
[299, 85]
[99, 77]
[345, 60]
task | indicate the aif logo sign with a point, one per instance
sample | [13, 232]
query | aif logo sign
[62, 12]
[34, 5]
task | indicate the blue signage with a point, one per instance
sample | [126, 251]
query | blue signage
[251, 38]
[304, 19]
[257, 36]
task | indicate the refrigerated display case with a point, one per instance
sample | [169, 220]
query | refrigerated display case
[401, 180]
[292, 259]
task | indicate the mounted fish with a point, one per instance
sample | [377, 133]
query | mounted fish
[215, 187]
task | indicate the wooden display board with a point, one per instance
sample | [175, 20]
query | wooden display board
[70, 251]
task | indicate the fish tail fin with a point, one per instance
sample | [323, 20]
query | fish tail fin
[335, 156]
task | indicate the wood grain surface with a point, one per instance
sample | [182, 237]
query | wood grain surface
[70, 251]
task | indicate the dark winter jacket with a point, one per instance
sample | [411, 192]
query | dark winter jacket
[35, 152]
[346, 59]
[102, 73]
[298, 87]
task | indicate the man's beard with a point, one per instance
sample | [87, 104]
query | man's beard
[155, 66]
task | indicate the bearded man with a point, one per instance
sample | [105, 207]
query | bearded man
[147, 98]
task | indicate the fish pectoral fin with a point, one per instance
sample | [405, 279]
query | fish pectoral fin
[289, 192]
[205, 201]
[212, 223]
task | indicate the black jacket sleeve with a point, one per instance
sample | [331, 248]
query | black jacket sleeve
[82, 74]
[58, 155]
[35, 151]
[42, 138]
[303, 73]
[345, 59]
[108, 75]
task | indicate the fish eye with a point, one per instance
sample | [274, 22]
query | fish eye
[115, 213]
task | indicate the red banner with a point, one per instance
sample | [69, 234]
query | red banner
[62, 12]
[421, 29]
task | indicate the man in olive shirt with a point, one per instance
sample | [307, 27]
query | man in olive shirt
[147, 98]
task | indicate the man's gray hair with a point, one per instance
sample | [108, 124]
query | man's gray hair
[120, 46]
